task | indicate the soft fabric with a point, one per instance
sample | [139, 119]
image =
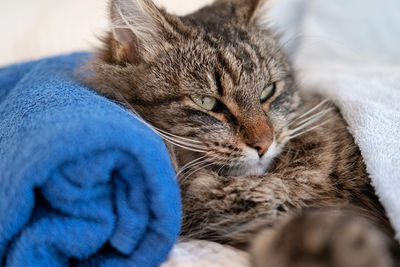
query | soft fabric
[201, 253]
[81, 180]
[349, 52]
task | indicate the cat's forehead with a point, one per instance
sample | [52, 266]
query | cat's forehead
[227, 68]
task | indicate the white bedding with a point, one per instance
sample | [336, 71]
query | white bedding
[347, 50]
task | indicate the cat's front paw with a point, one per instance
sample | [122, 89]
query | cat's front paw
[322, 239]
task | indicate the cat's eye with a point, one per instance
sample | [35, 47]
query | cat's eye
[206, 102]
[268, 91]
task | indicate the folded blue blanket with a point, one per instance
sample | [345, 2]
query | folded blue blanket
[81, 181]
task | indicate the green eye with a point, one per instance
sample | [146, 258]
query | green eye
[268, 91]
[205, 102]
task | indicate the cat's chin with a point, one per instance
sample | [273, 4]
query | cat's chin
[252, 164]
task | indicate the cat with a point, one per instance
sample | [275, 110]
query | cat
[262, 165]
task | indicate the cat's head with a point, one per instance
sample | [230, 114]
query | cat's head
[215, 83]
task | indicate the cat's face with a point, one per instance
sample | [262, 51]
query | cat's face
[215, 82]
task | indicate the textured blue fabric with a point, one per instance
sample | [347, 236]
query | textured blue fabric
[81, 181]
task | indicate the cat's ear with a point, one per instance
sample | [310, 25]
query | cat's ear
[245, 11]
[137, 28]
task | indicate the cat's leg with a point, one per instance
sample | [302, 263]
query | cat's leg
[322, 239]
[232, 210]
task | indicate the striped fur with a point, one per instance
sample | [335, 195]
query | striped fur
[153, 62]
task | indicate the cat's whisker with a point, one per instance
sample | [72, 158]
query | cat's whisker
[189, 165]
[308, 112]
[318, 114]
[308, 130]
[221, 168]
[182, 143]
[174, 141]
[286, 135]
[197, 169]
[290, 133]
[186, 176]
[177, 136]
[196, 164]
[165, 134]
[309, 121]
[225, 163]
[283, 136]
[185, 147]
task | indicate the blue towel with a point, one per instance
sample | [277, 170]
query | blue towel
[81, 181]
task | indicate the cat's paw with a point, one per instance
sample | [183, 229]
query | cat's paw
[322, 239]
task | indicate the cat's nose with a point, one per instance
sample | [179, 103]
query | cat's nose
[258, 134]
[261, 146]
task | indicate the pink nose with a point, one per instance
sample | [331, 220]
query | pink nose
[261, 146]
[258, 134]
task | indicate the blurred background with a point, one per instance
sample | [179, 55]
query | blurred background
[316, 30]
[31, 29]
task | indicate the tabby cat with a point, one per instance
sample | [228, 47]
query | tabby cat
[261, 165]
